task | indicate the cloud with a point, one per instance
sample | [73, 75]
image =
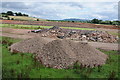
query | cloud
[14, 5]
[61, 1]
[119, 11]
[99, 16]
[62, 10]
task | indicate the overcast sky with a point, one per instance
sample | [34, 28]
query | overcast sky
[64, 10]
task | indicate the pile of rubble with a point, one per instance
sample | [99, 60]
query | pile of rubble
[82, 35]
[98, 36]
[60, 53]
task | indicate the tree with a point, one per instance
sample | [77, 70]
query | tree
[12, 18]
[8, 18]
[16, 14]
[103, 22]
[115, 23]
[73, 21]
[37, 19]
[96, 21]
[20, 14]
[4, 14]
[10, 13]
[24, 14]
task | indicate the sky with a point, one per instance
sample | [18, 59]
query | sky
[106, 10]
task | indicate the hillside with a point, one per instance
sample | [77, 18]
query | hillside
[26, 18]
[23, 18]
[9, 15]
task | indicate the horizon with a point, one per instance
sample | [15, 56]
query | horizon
[74, 10]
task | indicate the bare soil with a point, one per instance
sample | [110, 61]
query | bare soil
[22, 34]
[61, 53]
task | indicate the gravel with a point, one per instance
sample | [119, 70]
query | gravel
[60, 53]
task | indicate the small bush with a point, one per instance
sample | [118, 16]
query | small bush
[37, 19]
[12, 18]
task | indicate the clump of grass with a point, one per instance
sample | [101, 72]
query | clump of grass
[81, 70]
[8, 41]
[112, 75]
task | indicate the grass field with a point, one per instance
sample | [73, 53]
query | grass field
[37, 26]
[23, 65]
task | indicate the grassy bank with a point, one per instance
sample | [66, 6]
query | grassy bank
[24, 65]
[37, 26]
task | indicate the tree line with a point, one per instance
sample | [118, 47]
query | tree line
[94, 21]
[10, 13]
[97, 21]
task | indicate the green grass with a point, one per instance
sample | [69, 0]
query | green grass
[23, 65]
[77, 28]
[23, 26]
[37, 26]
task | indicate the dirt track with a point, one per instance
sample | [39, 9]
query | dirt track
[22, 34]
[106, 46]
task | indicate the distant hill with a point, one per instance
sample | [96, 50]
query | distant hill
[10, 15]
[25, 18]
[74, 19]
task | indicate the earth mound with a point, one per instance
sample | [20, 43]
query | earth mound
[29, 45]
[61, 53]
